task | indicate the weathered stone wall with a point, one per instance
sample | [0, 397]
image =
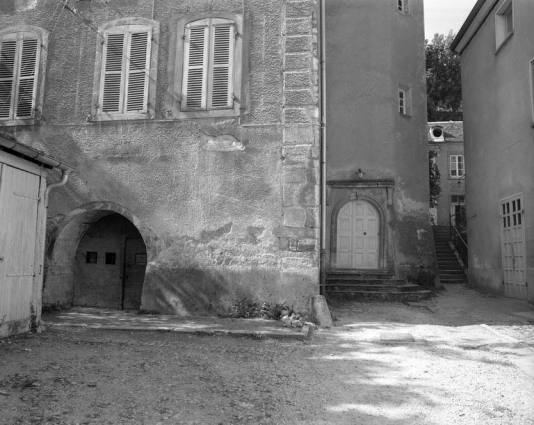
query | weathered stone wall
[228, 207]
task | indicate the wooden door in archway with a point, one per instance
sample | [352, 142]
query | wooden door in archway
[357, 236]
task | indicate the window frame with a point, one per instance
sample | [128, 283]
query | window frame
[40, 72]
[503, 32]
[402, 6]
[404, 104]
[456, 162]
[176, 68]
[127, 26]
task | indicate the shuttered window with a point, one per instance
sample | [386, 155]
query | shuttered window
[209, 56]
[125, 77]
[19, 72]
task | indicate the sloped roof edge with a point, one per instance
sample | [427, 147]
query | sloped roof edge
[474, 20]
[34, 154]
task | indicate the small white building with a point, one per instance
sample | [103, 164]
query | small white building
[23, 200]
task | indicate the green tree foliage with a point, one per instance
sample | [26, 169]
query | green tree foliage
[443, 80]
[435, 178]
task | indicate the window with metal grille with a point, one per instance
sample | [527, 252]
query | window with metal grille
[207, 57]
[125, 70]
[21, 55]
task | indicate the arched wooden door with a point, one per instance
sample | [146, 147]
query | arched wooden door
[357, 236]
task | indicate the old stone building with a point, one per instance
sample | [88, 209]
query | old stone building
[214, 160]
[193, 129]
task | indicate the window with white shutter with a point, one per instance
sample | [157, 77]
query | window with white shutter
[207, 57]
[125, 72]
[22, 51]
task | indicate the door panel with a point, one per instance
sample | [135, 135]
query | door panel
[134, 272]
[357, 236]
[19, 201]
[513, 247]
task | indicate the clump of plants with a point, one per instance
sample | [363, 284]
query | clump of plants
[274, 311]
[245, 308]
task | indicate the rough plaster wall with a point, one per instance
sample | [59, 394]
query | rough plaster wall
[364, 128]
[231, 204]
[498, 143]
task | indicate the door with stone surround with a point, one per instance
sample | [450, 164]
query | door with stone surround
[357, 236]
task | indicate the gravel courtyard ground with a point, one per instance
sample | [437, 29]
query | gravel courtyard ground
[462, 358]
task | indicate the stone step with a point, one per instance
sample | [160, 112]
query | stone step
[392, 296]
[369, 287]
[451, 272]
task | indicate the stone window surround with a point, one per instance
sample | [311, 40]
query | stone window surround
[95, 115]
[42, 36]
[357, 189]
[175, 67]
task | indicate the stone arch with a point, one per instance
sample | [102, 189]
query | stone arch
[63, 244]
[355, 196]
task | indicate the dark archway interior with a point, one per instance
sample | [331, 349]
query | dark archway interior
[110, 265]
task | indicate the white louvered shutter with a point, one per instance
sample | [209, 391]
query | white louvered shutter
[19, 59]
[195, 66]
[112, 73]
[221, 66]
[138, 71]
[8, 51]
[27, 76]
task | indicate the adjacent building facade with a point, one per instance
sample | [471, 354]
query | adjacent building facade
[497, 55]
[377, 218]
[447, 141]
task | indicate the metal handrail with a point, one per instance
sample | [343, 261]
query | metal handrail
[455, 236]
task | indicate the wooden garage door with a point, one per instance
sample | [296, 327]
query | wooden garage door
[19, 199]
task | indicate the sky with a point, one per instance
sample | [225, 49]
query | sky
[441, 16]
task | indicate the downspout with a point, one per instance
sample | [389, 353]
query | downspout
[61, 182]
[322, 61]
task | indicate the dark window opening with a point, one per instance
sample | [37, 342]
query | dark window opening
[111, 258]
[91, 257]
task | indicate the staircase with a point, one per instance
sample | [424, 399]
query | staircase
[379, 287]
[450, 270]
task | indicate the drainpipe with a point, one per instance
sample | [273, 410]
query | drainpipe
[61, 182]
[322, 61]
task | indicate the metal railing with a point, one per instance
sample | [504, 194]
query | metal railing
[458, 234]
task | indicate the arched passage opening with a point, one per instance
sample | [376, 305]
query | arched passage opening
[110, 265]
[98, 257]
